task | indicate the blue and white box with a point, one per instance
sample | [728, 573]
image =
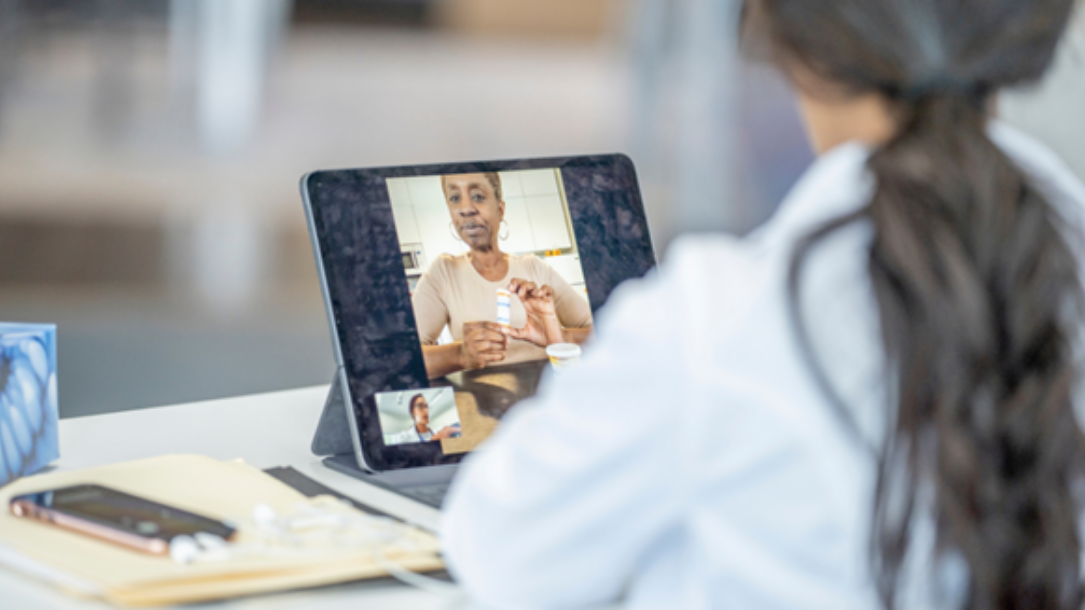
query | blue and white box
[28, 399]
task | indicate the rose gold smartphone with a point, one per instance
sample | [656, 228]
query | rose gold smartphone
[116, 517]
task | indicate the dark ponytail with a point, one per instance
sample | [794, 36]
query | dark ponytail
[979, 299]
[977, 288]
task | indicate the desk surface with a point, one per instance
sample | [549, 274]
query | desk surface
[264, 430]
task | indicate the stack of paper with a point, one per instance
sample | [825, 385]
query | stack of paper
[222, 490]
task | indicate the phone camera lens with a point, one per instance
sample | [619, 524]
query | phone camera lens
[147, 527]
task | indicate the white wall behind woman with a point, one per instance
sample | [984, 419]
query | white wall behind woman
[1054, 110]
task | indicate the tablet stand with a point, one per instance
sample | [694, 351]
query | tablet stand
[333, 432]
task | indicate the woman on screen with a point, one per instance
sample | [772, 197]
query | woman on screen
[462, 291]
[878, 393]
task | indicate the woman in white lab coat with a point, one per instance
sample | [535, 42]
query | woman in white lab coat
[865, 403]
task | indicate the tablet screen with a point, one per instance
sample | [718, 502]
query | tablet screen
[447, 285]
[492, 264]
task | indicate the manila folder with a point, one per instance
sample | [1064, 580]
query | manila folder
[221, 490]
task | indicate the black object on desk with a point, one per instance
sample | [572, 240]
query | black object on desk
[311, 488]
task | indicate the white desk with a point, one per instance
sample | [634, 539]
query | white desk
[264, 430]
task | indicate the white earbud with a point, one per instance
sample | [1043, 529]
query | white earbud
[183, 549]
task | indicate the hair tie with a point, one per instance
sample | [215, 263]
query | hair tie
[936, 86]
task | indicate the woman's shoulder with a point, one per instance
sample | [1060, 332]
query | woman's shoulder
[529, 258]
[446, 264]
[446, 259]
[534, 266]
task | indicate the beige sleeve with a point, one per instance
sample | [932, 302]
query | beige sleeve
[572, 309]
[430, 308]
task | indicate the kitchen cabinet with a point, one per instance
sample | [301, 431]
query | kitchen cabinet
[521, 236]
[431, 215]
[406, 226]
[548, 225]
[534, 208]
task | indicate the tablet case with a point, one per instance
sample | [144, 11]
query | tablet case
[332, 435]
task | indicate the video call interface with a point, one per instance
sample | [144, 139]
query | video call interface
[494, 273]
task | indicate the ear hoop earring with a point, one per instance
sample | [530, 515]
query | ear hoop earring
[452, 230]
[504, 225]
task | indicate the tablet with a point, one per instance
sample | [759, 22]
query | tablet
[445, 284]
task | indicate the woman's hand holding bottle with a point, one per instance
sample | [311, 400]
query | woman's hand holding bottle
[543, 327]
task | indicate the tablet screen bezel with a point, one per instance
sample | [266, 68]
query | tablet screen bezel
[372, 322]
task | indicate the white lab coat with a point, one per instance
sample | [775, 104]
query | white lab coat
[690, 460]
[410, 435]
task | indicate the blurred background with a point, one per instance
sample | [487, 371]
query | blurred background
[150, 152]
